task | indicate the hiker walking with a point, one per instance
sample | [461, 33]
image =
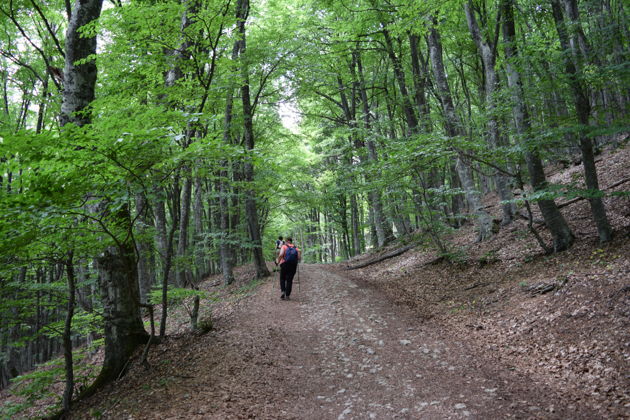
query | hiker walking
[288, 259]
[279, 243]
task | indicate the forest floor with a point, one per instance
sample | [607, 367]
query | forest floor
[336, 350]
[411, 337]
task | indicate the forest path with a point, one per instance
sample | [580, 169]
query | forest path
[334, 351]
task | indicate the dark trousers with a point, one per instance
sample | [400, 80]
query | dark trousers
[287, 272]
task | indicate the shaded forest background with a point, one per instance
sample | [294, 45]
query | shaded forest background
[145, 145]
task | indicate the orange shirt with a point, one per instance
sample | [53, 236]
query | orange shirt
[283, 250]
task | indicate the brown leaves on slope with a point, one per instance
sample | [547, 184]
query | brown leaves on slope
[576, 338]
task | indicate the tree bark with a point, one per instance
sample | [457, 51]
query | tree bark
[555, 222]
[118, 283]
[573, 56]
[487, 51]
[250, 195]
[79, 80]
[199, 245]
[225, 236]
[453, 128]
[165, 249]
[41, 112]
[67, 334]
[410, 115]
[225, 249]
[183, 267]
[384, 232]
[420, 81]
[144, 245]
[354, 220]
[124, 330]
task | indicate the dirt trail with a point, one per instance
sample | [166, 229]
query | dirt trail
[335, 351]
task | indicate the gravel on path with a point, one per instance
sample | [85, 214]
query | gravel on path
[334, 351]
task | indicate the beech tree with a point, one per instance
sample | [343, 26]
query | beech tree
[212, 127]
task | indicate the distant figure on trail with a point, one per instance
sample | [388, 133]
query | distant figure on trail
[288, 259]
[279, 243]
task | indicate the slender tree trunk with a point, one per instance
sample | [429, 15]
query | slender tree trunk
[487, 51]
[67, 334]
[572, 56]
[145, 249]
[410, 115]
[453, 128]
[555, 222]
[225, 248]
[165, 249]
[333, 243]
[384, 233]
[458, 203]
[41, 112]
[5, 93]
[250, 198]
[183, 267]
[373, 232]
[199, 245]
[235, 204]
[420, 81]
[354, 220]
[214, 221]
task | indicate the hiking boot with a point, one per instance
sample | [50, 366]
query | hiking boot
[283, 297]
[287, 298]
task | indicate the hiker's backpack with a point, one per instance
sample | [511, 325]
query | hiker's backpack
[291, 254]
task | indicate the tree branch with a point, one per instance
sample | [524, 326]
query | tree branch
[49, 28]
[11, 17]
[389, 255]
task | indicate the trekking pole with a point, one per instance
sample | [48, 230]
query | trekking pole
[299, 282]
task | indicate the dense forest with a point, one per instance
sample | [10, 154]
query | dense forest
[147, 144]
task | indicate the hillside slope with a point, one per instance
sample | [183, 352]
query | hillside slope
[563, 319]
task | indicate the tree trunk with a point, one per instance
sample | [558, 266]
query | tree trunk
[354, 220]
[420, 81]
[384, 232]
[67, 335]
[250, 194]
[453, 128]
[574, 54]
[225, 248]
[183, 266]
[487, 51]
[165, 250]
[410, 116]
[79, 80]
[373, 233]
[146, 273]
[41, 112]
[555, 222]
[199, 245]
[124, 330]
